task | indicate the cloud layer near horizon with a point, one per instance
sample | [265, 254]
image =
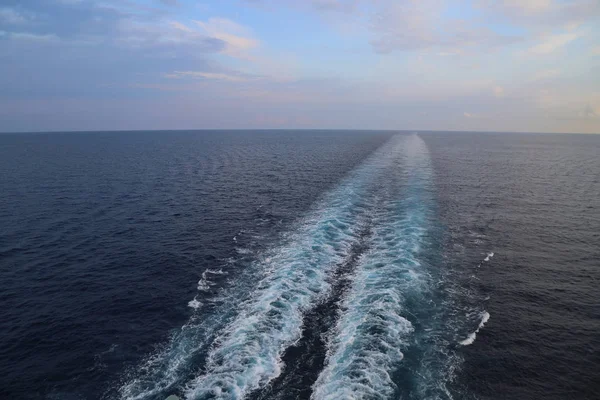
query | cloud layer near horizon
[505, 65]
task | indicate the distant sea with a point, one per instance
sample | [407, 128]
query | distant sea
[299, 265]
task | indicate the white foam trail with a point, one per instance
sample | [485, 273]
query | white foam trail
[204, 283]
[489, 255]
[195, 304]
[247, 355]
[485, 316]
[372, 331]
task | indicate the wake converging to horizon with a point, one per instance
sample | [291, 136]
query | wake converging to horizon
[307, 265]
[385, 204]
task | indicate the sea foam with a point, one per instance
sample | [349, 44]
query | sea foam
[247, 354]
[367, 343]
[485, 316]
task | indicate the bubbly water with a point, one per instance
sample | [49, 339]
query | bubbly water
[281, 265]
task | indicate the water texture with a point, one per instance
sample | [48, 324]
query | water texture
[299, 265]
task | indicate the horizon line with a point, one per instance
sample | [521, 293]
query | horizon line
[293, 129]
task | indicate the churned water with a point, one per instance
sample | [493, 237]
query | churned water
[299, 265]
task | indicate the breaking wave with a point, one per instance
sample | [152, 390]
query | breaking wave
[485, 316]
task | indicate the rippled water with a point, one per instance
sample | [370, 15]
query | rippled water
[281, 264]
[532, 200]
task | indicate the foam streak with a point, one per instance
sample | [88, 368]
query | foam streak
[247, 355]
[485, 316]
[372, 331]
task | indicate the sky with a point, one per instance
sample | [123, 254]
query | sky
[472, 65]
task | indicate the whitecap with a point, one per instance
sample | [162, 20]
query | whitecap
[469, 340]
[489, 255]
[195, 304]
[485, 316]
[204, 283]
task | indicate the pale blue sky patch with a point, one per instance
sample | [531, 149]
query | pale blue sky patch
[383, 64]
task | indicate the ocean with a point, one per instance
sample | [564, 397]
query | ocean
[299, 265]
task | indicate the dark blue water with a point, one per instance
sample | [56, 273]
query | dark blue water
[282, 264]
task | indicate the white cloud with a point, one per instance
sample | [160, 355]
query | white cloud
[418, 25]
[30, 37]
[237, 38]
[138, 34]
[542, 15]
[405, 25]
[545, 74]
[220, 76]
[219, 25]
[239, 42]
[553, 43]
[11, 16]
[528, 6]
[181, 27]
[334, 5]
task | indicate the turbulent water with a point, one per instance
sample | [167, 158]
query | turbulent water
[299, 265]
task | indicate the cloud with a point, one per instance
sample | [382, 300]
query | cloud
[545, 74]
[528, 6]
[30, 37]
[180, 60]
[345, 6]
[542, 14]
[238, 40]
[92, 49]
[132, 25]
[220, 76]
[498, 91]
[412, 25]
[171, 35]
[568, 102]
[222, 25]
[590, 112]
[553, 43]
[179, 26]
[12, 17]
